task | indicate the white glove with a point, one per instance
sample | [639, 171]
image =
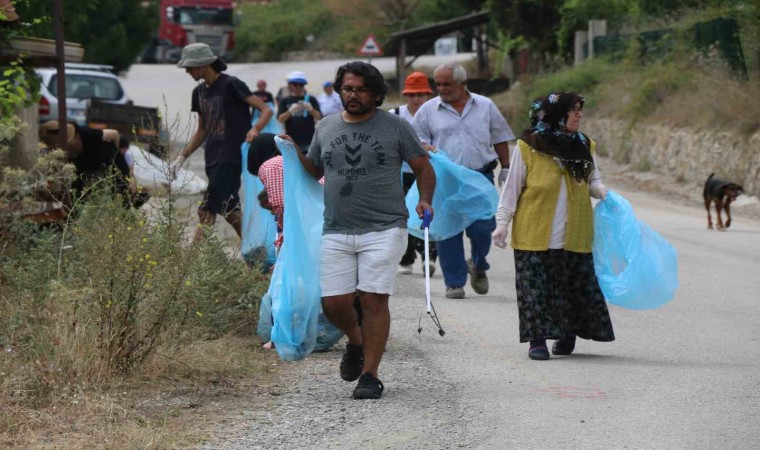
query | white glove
[295, 108]
[175, 165]
[308, 106]
[499, 235]
[503, 176]
[599, 192]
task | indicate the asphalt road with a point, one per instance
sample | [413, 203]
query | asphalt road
[169, 87]
[683, 376]
[686, 375]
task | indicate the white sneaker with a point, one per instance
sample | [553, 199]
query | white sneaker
[404, 270]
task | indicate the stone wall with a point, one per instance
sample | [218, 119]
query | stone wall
[684, 154]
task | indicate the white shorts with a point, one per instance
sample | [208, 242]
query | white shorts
[365, 262]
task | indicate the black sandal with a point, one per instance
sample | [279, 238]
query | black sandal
[564, 346]
[369, 388]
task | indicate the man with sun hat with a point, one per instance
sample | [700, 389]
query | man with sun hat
[299, 112]
[223, 104]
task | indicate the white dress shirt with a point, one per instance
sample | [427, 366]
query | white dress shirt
[403, 112]
[468, 138]
[329, 104]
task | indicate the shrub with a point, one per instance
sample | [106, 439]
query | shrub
[87, 304]
[268, 30]
[582, 80]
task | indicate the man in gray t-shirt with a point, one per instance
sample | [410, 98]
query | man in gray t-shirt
[361, 162]
[360, 152]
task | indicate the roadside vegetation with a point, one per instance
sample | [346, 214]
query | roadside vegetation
[109, 309]
[109, 322]
[113, 32]
[683, 87]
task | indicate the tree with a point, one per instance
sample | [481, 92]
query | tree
[398, 11]
[534, 22]
[431, 11]
[112, 32]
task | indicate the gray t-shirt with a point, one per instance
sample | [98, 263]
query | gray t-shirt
[362, 166]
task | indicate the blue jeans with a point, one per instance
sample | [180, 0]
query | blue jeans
[451, 251]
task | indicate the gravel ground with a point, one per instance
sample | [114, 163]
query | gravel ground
[314, 409]
[436, 391]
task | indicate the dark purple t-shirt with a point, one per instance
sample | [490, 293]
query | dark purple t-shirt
[227, 118]
[97, 154]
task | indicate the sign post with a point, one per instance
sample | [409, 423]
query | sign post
[370, 48]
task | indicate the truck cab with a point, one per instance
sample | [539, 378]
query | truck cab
[186, 22]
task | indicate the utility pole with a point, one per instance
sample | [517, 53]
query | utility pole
[61, 72]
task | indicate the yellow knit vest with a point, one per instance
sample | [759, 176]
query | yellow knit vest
[532, 222]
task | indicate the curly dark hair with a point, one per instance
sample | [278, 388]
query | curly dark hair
[373, 79]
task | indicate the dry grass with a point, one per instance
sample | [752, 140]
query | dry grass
[73, 302]
[692, 94]
[169, 405]
[719, 101]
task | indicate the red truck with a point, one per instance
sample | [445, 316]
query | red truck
[188, 21]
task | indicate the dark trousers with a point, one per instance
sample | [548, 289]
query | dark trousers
[415, 245]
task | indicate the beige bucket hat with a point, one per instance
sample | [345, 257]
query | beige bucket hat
[196, 55]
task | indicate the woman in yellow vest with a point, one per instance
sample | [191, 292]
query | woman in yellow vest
[546, 197]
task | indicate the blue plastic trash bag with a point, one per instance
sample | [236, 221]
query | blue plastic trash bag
[273, 126]
[636, 267]
[294, 288]
[259, 225]
[264, 327]
[461, 197]
[327, 333]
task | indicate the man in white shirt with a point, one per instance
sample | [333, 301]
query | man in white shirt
[473, 133]
[329, 101]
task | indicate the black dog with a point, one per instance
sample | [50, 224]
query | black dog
[722, 193]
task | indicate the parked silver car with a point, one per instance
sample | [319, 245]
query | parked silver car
[84, 82]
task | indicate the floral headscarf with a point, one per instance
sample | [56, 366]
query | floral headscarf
[548, 133]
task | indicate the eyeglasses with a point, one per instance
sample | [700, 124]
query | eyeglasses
[296, 84]
[360, 91]
[576, 109]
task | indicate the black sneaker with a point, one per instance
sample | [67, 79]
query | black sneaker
[369, 388]
[352, 363]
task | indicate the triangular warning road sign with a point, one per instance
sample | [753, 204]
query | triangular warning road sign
[370, 47]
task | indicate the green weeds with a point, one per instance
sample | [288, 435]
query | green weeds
[112, 296]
